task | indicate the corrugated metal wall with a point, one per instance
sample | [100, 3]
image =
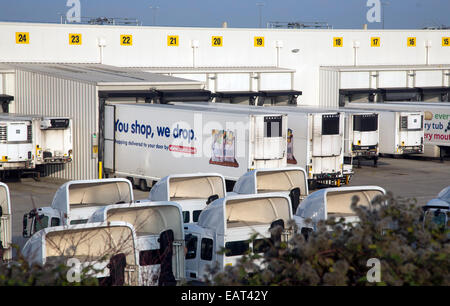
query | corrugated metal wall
[42, 94]
[329, 88]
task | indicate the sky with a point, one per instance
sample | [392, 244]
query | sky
[341, 14]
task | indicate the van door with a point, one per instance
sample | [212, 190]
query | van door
[192, 258]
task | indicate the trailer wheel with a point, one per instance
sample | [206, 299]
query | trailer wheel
[143, 185]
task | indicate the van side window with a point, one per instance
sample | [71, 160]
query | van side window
[235, 248]
[206, 249]
[191, 246]
[186, 216]
[196, 215]
[54, 222]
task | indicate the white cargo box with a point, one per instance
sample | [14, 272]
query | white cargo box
[315, 138]
[150, 141]
[401, 130]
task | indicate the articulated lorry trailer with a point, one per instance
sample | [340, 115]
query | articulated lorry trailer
[146, 142]
[401, 130]
[436, 124]
[315, 139]
[30, 141]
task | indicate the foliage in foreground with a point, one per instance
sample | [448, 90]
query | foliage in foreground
[21, 273]
[337, 253]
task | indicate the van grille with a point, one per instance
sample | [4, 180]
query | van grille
[29, 133]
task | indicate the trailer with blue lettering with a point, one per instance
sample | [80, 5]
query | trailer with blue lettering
[146, 142]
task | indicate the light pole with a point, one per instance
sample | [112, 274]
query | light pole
[260, 5]
[383, 4]
[154, 9]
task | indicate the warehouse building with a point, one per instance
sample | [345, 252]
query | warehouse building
[77, 91]
[45, 70]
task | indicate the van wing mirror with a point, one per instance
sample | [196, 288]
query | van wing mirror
[25, 226]
[212, 199]
[294, 195]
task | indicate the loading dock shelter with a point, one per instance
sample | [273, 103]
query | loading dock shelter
[342, 84]
[77, 90]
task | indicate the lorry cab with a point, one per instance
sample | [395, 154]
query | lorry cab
[334, 202]
[192, 191]
[5, 224]
[221, 236]
[106, 249]
[76, 201]
[291, 181]
[437, 210]
[159, 238]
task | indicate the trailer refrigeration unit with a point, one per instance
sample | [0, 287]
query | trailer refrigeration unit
[436, 124]
[401, 130]
[361, 137]
[146, 142]
[315, 140]
[16, 144]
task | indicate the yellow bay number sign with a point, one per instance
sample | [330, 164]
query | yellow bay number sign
[217, 41]
[173, 40]
[375, 42]
[22, 38]
[338, 42]
[411, 42]
[126, 40]
[258, 41]
[74, 39]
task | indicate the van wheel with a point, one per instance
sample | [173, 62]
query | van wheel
[143, 185]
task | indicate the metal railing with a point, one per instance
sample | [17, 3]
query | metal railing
[298, 25]
[103, 21]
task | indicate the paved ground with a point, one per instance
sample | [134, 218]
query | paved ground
[404, 177]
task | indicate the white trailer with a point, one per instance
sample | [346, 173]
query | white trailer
[16, 144]
[5, 224]
[436, 124]
[192, 191]
[76, 201]
[361, 138]
[401, 130]
[315, 139]
[53, 141]
[229, 223]
[291, 181]
[107, 250]
[333, 202]
[159, 238]
[146, 142]
[30, 141]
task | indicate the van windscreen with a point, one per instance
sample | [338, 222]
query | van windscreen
[365, 123]
[330, 124]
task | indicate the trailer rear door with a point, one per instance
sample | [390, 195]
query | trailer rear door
[327, 139]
